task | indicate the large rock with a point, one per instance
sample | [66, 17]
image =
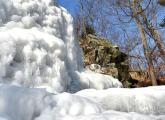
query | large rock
[103, 57]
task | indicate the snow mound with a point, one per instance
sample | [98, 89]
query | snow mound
[114, 115]
[18, 103]
[89, 79]
[38, 48]
[150, 100]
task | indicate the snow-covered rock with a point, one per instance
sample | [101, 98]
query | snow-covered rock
[38, 48]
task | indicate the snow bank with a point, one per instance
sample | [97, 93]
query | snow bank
[149, 100]
[38, 48]
[89, 79]
[114, 115]
[18, 103]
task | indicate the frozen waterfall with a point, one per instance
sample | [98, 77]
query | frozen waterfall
[38, 48]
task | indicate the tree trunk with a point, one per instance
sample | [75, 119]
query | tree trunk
[144, 43]
[83, 20]
[154, 34]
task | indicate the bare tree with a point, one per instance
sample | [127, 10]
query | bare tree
[126, 23]
[153, 31]
[135, 8]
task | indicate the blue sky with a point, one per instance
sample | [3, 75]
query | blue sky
[70, 5]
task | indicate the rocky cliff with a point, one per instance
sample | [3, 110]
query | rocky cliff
[103, 57]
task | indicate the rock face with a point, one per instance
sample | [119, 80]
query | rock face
[103, 57]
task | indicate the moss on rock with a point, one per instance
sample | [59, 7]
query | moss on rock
[100, 51]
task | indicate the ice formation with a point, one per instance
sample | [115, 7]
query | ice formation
[17, 103]
[38, 48]
[141, 100]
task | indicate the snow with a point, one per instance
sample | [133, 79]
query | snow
[42, 75]
[141, 100]
[98, 81]
[20, 103]
[39, 48]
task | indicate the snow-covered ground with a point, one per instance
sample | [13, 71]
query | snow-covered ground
[17, 103]
[41, 65]
[148, 100]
